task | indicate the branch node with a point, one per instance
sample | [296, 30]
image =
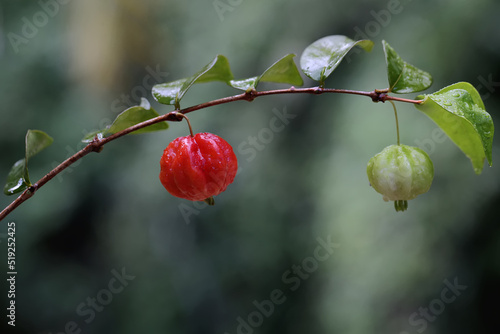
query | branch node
[173, 116]
[33, 188]
[96, 145]
[250, 94]
[97, 149]
[318, 90]
[378, 95]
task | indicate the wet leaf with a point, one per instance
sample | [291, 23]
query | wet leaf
[15, 179]
[245, 84]
[283, 71]
[459, 111]
[167, 93]
[322, 57]
[403, 77]
[172, 92]
[136, 115]
[36, 141]
[129, 117]
[91, 135]
[18, 178]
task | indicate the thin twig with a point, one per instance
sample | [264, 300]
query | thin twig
[97, 144]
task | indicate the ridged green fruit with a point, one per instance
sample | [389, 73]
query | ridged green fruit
[400, 173]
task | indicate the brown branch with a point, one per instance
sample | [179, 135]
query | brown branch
[30, 191]
[97, 144]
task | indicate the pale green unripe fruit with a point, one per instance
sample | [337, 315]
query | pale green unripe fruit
[400, 173]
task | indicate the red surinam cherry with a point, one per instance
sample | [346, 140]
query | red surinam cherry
[198, 167]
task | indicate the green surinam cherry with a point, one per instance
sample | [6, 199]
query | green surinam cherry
[400, 173]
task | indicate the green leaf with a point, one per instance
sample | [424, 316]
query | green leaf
[136, 115]
[91, 135]
[282, 71]
[321, 57]
[18, 178]
[459, 111]
[35, 142]
[245, 84]
[130, 117]
[167, 93]
[16, 182]
[171, 93]
[403, 77]
[217, 70]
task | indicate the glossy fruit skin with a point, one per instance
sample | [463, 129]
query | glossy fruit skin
[198, 167]
[400, 172]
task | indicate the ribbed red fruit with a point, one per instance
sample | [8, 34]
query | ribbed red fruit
[198, 167]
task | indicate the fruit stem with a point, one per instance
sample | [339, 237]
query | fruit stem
[179, 114]
[397, 123]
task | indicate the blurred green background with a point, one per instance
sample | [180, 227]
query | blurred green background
[192, 269]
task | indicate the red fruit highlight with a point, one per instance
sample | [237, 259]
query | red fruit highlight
[198, 167]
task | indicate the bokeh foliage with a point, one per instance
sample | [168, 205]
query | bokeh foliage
[303, 180]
